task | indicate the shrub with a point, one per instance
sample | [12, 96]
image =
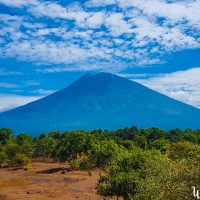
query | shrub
[19, 160]
[82, 162]
[103, 152]
[3, 158]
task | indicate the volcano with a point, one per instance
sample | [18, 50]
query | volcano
[101, 101]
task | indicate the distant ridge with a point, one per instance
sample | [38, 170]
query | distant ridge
[103, 101]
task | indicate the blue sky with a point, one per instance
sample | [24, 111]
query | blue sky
[46, 45]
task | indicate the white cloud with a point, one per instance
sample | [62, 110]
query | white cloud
[4, 72]
[17, 3]
[8, 85]
[173, 12]
[100, 3]
[9, 101]
[54, 10]
[49, 52]
[181, 85]
[95, 20]
[44, 92]
[117, 25]
[138, 31]
[112, 66]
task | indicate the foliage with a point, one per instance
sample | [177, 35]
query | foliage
[19, 160]
[45, 146]
[3, 158]
[81, 162]
[103, 152]
[147, 164]
[5, 134]
[71, 145]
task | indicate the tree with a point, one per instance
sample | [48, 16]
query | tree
[3, 158]
[23, 138]
[141, 141]
[174, 135]
[55, 135]
[5, 134]
[146, 175]
[188, 135]
[122, 178]
[161, 144]
[20, 160]
[128, 144]
[103, 153]
[25, 144]
[185, 151]
[11, 148]
[45, 146]
[71, 145]
[155, 133]
[127, 133]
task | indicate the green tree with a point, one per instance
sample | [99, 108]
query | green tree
[71, 145]
[103, 152]
[127, 133]
[45, 146]
[188, 135]
[20, 160]
[185, 151]
[25, 144]
[23, 138]
[5, 134]
[141, 141]
[146, 175]
[55, 135]
[175, 135]
[12, 148]
[161, 144]
[3, 158]
[128, 144]
[155, 133]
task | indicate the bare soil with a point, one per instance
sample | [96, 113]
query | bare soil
[47, 181]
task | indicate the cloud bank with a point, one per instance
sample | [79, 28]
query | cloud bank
[10, 101]
[126, 33]
[181, 85]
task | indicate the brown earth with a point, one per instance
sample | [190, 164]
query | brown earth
[47, 181]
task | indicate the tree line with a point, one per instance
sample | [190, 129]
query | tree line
[147, 164]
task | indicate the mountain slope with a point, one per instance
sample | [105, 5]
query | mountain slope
[101, 101]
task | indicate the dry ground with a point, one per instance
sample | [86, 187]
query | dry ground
[37, 182]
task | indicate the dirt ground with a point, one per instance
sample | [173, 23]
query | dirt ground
[47, 181]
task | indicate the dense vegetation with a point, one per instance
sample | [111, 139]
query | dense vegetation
[146, 164]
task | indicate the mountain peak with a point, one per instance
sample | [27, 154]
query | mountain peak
[102, 100]
[96, 81]
[98, 75]
[103, 74]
